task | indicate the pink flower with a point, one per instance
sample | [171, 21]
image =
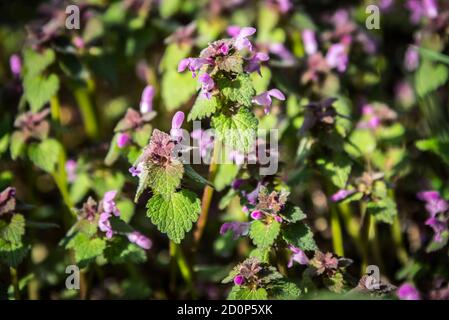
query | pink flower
[255, 61]
[264, 99]
[341, 194]
[282, 52]
[434, 203]
[78, 42]
[123, 139]
[430, 8]
[193, 64]
[207, 85]
[105, 225]
[140, 240]
[257, 215]
[146, 101]
[239, 280]
[109, 205]
[176, 124]
[310, 45]
[411, 61]
[241, 42]
[408, 292]
[337, 57]
[15, 64]
[278, 218]
[135, 171]
[233, 31]
[298, 256]
[238, 229]
[70, 168]
[205, 141]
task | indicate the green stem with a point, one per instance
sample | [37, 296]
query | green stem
[15, 282]
[337, 236]
[364, 235]
[60, 176]
[84, 100]
[207, 197]
[396, 233]
[352, 225]
[186, 272]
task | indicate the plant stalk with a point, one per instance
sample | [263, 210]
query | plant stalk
[15, 282]
[207, 197]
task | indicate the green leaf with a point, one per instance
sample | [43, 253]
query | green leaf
[35, 63]
[203, 108]
[12, 254]
[337, 170]
[195, 176]
[264, 235]
[300, 235]
[433, 145]
[425, 84]
[45, 154]
[14, 230]
[237, 131]
[166, 179]
[285, 290]
[433, 55]
[86, 248]
[120, 250]
[293, 213]
[17, 144]
[177, 89]
[113, 152]
[39, 90]
[361, 142]
[262, 254]
[173, 54]
[174, 213]
[167, 8]
[80, 187]
[383, 210]
[239, 90]
[142, 135]
[226, 173]
[243, 293]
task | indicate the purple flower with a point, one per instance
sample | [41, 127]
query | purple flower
[109, 205]
[135, 171]
[337, 57]
[434, 203]
[123, 139]
[438, 227]
[140, 240]
[278, 218]
[298, 256]
[233, 31]
[239, 229]
[264, 99]
[205, 141]
[176, 124]
[255, 61]
[257, 215]
[239, 280]
[372, 120]
[78, 42]
[411, 60]
[207, 85]
[146, 101]
[105, 225]
[282, 52]
[422, 8]
[341, 194]
[430, 8]
[15, 64]
[252, 196]
[70, 168]
[310, 44]
[284, 5]
[7, 200]
[193, 64]
[408, 292]
[241, 42]
[237, 183]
